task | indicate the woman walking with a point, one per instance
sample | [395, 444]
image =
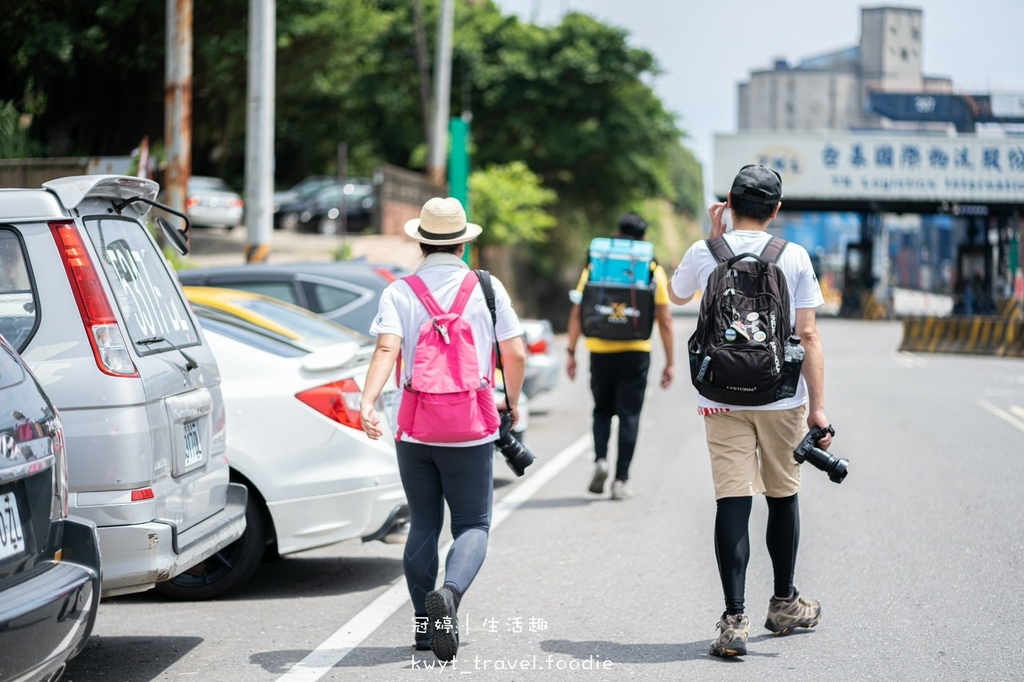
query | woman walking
[435, 469]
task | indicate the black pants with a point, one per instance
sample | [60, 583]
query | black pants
[618, 382]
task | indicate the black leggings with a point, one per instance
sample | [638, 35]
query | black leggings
[732, 545]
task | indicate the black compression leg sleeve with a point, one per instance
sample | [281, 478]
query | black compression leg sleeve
[732, 547]
[783, 538]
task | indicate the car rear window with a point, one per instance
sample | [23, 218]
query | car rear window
[283, 291]
[332, 298]
[18, 302]
[147, 295]
[313, 330]
[249, 334]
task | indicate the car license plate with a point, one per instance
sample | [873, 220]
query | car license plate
[193, 447]
[12, 535]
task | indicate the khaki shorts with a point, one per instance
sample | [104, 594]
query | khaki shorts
[752, 451]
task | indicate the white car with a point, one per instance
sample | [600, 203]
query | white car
[544, 363]
[294, 440]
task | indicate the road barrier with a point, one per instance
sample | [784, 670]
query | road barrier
[1001, 334]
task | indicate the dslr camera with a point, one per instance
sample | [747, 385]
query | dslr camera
[808, 451]
[517, 455]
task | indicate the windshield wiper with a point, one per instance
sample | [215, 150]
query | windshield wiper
[190, 364]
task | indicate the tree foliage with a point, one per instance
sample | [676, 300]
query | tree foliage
[511, 202]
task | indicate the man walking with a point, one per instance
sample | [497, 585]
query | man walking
[618, 372]
[751, 447]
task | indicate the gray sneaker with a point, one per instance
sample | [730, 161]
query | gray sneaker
[600, 476]
[795, 612]
[620, 491]
[732, 640]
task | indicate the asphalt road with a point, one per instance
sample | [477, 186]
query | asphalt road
[916, 557]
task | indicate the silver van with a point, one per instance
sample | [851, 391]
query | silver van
[90, 302]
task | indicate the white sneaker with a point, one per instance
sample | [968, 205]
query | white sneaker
[600, 476]
[620, 491]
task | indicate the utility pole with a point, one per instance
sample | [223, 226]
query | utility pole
[259, 131]
[423, 67]
[442, 94]
[178, 102]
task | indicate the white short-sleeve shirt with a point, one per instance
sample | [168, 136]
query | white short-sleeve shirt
[795, 263]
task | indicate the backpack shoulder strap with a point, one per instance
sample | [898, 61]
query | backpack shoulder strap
[465, 291]
[423, 293]
[773, 249]
[488, 289]
[485, 283]
[720, 249]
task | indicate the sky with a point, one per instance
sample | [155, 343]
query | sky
[705, 48]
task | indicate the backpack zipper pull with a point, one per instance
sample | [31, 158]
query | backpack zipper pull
[443, 331]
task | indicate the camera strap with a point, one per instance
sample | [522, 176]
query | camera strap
[485, 284]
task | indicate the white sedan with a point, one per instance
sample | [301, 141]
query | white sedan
[294, 439]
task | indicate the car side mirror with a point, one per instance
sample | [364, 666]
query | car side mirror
[177, 237]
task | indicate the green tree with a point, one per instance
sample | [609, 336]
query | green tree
[511, 203]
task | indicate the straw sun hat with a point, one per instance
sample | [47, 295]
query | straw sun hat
[441, 222]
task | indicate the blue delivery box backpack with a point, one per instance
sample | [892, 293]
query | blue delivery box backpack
[618, 297]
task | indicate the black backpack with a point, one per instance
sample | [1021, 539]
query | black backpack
[618, 313]
[737, 352]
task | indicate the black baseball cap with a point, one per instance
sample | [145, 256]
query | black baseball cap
[758, 184]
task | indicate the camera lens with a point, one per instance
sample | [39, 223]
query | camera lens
[835, 467]
[517, 455]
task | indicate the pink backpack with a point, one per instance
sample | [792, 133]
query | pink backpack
[447, 399]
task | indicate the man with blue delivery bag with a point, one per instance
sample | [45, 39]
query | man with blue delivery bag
[621, 294]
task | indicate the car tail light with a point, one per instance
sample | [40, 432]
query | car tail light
[386, 274]
[538, 346]
[191, 201]
[104, 334]
[142, 494]
[234, 203]
[61, 494]
[338, 401]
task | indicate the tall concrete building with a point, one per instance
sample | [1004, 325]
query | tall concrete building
[829, 92]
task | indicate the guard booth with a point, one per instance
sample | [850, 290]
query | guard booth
[977, 183]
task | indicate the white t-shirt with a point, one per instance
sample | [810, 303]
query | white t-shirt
[804, 292]
[401, 312]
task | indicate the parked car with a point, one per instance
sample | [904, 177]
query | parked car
[210, 202]
[303, 187]
[98, 315]
[287, 321]
[344, 291]
[49, 563]
[543, 362]
[321, 210]
[294, 439]
[287, 204]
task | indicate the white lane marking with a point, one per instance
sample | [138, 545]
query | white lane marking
[321, 660]
[1002, 414]
[910, 360]
[1017, 410]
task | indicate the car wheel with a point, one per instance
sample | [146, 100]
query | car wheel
[289, 221]
[327, 226]
[228, 568]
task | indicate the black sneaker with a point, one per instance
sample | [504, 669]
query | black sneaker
[444, 623]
